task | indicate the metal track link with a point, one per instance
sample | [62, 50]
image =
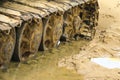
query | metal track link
[26, 25]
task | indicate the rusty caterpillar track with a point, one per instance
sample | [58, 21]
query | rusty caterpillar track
[29, 25]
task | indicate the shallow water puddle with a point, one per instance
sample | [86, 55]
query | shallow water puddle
[109, 63]
[45, 65]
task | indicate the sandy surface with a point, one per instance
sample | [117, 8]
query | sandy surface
[105, 44]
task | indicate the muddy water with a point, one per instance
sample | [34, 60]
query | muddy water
[45, 65]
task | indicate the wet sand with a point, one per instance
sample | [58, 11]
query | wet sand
[45, 65]
[72, 60]
[105, 44]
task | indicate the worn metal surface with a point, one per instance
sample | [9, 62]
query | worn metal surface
[44, 22]
[22, 9]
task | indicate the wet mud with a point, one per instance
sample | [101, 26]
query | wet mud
[44, 66]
